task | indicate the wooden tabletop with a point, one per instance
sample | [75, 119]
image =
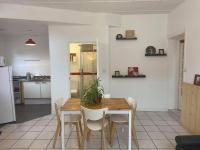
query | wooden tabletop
[73, 104]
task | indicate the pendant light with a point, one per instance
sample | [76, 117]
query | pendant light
[30, 42]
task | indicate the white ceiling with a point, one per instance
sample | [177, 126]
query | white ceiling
[22, 27]
[106, 6]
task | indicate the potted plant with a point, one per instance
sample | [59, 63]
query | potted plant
[93, 94]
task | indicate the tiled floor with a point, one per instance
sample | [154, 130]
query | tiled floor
[155, 131]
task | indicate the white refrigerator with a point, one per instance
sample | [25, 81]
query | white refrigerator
[7, 105]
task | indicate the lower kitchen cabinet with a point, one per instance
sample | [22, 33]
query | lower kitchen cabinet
[36, 90]
[45, 89]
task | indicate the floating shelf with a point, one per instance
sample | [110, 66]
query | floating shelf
[126, 76]
[155, 54]
[135, 38]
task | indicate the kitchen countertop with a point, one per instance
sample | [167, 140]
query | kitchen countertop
[36, 79]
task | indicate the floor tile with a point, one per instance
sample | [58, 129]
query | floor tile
[7, 143]
[142, 136]
[46, 135]
[151, 128]
[140, 128]
[37, 128]
[146, 122]
[30, 135]
[22, 144]
[15, 135]
[23, 128]
[166, 128]
[163, 144]
[146, 144]
[40, 144]
[156, 135]
[50, 128]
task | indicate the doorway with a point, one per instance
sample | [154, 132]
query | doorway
[181, 71]
[83, 66]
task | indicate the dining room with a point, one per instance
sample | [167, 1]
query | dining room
[123, 75]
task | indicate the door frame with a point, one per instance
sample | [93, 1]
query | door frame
[85, 42]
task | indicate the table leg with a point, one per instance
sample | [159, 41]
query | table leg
[62, 131]
[129, 130]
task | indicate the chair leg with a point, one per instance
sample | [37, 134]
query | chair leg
[78, 135]
[81, 130]
[135, 137]
[56, 135]
[84, 137]
[113, 127]
[104, 140]
[88, 134]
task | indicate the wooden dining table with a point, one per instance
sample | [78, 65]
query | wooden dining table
[114, 105]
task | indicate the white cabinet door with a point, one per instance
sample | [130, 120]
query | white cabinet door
[45, 90]
[31, 89]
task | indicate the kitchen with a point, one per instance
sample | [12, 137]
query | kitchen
[24, 50]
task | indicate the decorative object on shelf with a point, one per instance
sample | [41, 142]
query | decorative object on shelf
[161, 51]
[130, 34]
[150, 50]
[133, 71]
[117, 73]
[119, 36]
[93, 94]
[197, 79]
[73, 57]
[30, 42]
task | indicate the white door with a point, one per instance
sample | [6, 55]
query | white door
[7, 107]
[31, 89]
[45, 90]
[181, 72]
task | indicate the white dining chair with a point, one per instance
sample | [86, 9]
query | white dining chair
[94, 120]
[106, 95]
[69, 119]
[123, 119]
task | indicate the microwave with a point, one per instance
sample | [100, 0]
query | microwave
[2, 61]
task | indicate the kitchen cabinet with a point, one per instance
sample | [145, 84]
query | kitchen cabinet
[37, 89]
[45, 89]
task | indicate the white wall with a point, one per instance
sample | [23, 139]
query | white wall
[185, 19]
[18, 54]
[151, 93]
[59, 39]
[1, 45]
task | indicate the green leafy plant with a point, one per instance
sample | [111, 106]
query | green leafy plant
[93, 94]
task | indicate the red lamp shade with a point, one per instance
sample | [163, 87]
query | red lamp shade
[30, 42]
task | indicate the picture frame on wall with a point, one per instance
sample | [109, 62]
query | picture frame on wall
[197, 79]
[161, 51]
[117, 73]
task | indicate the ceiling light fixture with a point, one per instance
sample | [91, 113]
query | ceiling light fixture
[30, 42]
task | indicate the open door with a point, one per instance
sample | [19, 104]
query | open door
[181, 72]
[83, 66]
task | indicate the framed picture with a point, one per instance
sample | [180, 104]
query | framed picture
[197, 79]
[133, 71]
[161, 51]
[117, 73]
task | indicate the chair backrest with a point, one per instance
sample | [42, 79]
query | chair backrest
[133, 103]
[106, 95]
[93, 114]
[58, 103]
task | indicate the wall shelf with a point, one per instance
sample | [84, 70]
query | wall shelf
[135, 38]
[155, 54]
[126, 76]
